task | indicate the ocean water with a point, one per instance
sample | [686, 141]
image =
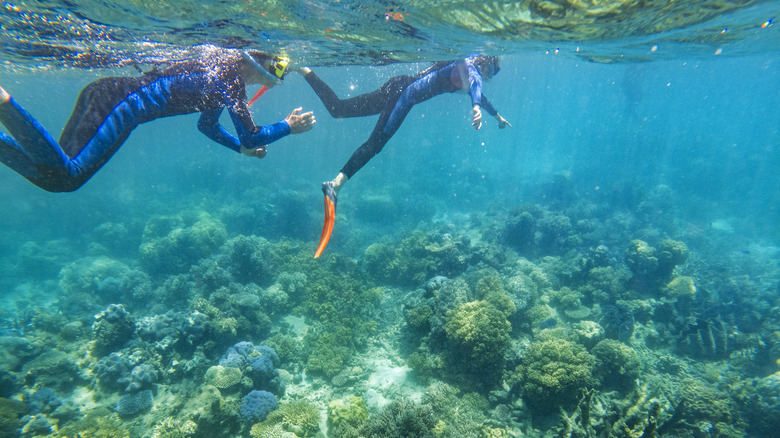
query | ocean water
[608, 266]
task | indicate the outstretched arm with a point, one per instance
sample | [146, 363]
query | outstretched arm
[253, 139]
[208, 124]
[502, 123]
[475, 91]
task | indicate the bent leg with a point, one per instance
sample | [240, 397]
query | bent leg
[32, 138]
[390, 119]
[33, 152]
[12, 155]
[363, 105]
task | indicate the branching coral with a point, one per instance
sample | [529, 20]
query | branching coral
[300, 416]
[402, 419]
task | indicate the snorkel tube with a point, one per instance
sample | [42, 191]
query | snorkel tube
[257, 95]
[274, 74]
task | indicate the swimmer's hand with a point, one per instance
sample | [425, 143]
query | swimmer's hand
[254, 152]
[300, 122]
[477, 113]
[502, 123]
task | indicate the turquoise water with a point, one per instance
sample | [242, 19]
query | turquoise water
[612, 261]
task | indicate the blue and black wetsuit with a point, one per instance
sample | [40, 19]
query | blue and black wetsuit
[108, 109]
[393, 101]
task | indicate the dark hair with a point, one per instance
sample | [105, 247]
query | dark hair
[487, 63]
[259, 56]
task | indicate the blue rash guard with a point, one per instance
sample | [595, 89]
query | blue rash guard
[108, 109]
[393, 101]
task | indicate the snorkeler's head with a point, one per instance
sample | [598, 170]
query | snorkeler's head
[272, 68]
[487, 65]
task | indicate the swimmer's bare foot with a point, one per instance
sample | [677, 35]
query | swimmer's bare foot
[4, 96]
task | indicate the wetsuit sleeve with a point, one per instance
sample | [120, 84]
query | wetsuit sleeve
[475, 83]
[208, 124]
[251, 135]
[487, 106]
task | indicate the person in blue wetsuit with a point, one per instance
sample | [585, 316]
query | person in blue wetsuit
[393, 101]
[108, 109]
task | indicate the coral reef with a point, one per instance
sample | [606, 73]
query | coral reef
[346, 415]
[11, 412]
[223, 377]
[562, 318]
[173, 244]
[132, 404]
[112, 328]
[256, 405]
[554, 372]
[480, 337]
[401, 419]
[170, 427]
[617, 365]
[301, 417]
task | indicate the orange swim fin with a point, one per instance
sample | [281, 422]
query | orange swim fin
[327, 227]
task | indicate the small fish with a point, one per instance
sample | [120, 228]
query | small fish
[547, 323]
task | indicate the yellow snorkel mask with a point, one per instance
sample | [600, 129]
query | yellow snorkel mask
[278, 66]
[274, 73]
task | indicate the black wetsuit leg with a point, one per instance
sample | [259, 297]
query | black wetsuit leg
[403, 93]
[382, 101]
[362, 105]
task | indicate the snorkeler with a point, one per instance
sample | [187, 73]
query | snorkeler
[393, 101]
[108, 109]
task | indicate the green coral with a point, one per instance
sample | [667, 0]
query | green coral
[607, 283]
[402, 419]
[173, 244]
[286, 347]
[617, 364]
[329, 354]
[267, 429]
[491, 290]
[11, 411]
[420, 256]
[170, 427]
[346, 414]
[53, 369]
[554, 371]
[97, 423]
[566, 298]
[301, 417]
[680, 288]
[641, 258]
[540, 313]
[671, 253]
[422, 366]
[700, 402]
[480, 335]
[418, 318]
[93, 282]
[655, 267]
[223, 377]
[111, 335]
